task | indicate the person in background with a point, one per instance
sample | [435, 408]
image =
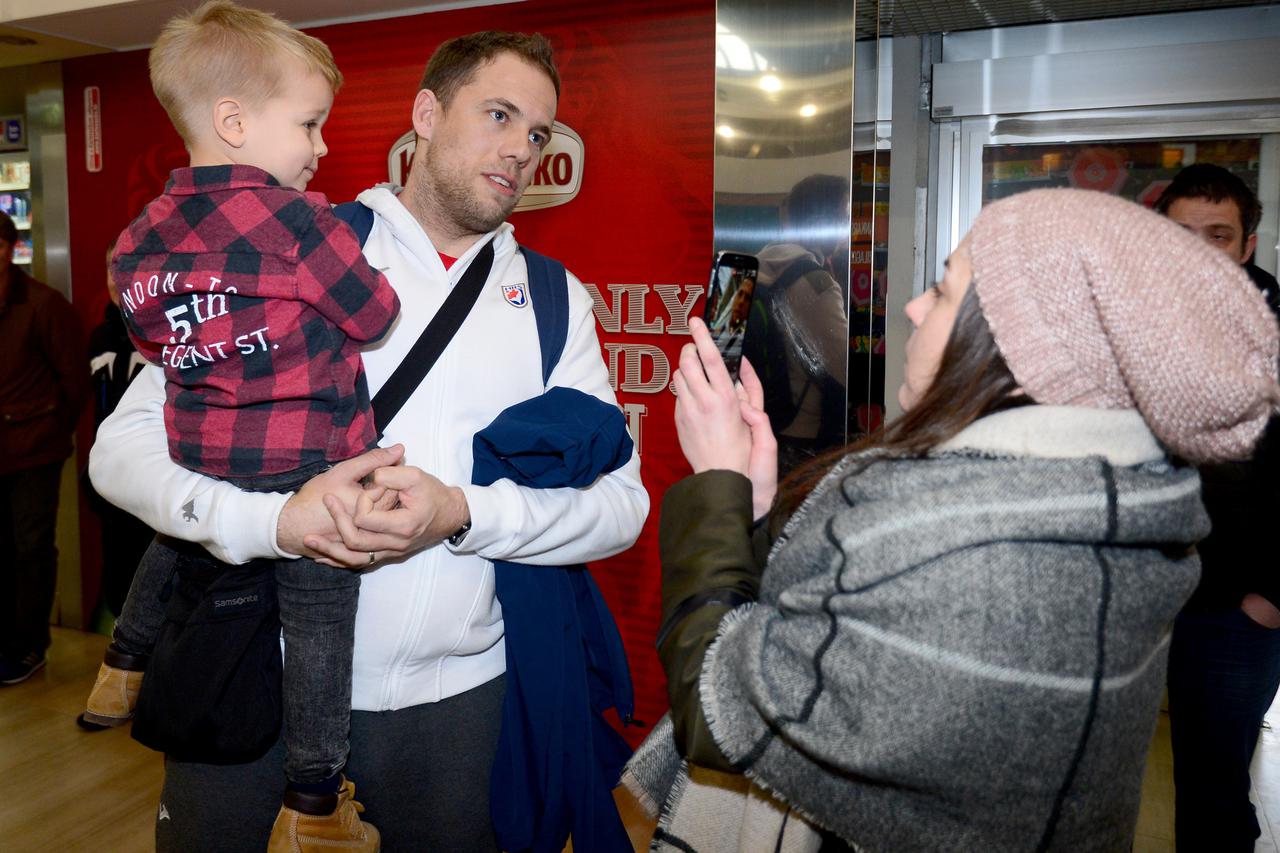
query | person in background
[1224, 663]
[113, 363]
[43, 387]
[797, 338]
[957, 640]
[1217, 205]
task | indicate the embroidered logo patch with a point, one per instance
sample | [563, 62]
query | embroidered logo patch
[515, 295]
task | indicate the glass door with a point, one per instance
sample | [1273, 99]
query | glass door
[986, 158]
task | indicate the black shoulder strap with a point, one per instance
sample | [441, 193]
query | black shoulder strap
[431, 343]
[548, 290]
[796, 270]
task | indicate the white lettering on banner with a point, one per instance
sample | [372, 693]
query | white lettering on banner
[611, 317]
[633, 357]
[635, 413]
[679, 309]
[630, 363]
[556, 180]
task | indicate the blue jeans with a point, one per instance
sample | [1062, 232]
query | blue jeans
[1224, 669]
[318, 617]
[28, 557]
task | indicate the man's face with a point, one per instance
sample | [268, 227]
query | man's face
[483, 149]
[1218, 223]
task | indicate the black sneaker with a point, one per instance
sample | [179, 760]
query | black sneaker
[18, 671]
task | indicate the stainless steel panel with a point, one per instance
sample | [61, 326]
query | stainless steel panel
[1143, 30]
[50, 234]
[46, 133]
[784, 114]
[1210, 73]
[908, 207]
[921, 17]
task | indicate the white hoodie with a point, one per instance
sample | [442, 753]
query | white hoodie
[428, 627]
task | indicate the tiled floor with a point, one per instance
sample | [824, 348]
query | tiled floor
[1155, 819]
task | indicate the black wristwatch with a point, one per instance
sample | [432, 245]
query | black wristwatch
[458, 535]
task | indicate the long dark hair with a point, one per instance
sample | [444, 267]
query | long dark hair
[972, 381]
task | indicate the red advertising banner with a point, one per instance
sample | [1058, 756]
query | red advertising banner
[623, 198]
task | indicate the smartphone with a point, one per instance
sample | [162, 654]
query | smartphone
[733, 285]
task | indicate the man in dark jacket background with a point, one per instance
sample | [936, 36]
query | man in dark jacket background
[1224, 663]
[43, 385]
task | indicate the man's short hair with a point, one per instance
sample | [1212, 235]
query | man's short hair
[454, 64]
[225, 50]
[1205, 180]
[817, 200]
[8, 231]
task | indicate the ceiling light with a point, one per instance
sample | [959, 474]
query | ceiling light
[809, 110]
[770, 83]
[726, 131]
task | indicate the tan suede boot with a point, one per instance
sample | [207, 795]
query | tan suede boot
[113, 698]
[299, 830]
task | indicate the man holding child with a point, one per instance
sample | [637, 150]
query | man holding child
[429, 658]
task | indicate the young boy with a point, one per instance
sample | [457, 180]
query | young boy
[255, 298]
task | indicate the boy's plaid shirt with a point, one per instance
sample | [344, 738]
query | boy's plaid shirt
[255, 299]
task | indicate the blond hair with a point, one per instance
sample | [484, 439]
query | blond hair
[225, 50]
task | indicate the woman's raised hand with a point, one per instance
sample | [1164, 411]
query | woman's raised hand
[720, 425]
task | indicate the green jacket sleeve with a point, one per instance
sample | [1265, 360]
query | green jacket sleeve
[709, 567]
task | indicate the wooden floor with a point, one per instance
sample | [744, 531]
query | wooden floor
[72, 791]
[95, 792]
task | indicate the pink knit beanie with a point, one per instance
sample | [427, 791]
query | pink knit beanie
[1096, 301]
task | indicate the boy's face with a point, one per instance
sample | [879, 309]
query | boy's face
[282, 135]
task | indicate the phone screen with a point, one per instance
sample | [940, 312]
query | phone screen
[733, 282]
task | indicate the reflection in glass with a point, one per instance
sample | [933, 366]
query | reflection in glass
[1138, 170]
[784, 114]
[797, 337]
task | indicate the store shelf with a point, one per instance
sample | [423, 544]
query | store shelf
[22, 260]
[5, 188]
[22, 224]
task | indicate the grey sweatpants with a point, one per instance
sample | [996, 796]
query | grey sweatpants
[422, 774]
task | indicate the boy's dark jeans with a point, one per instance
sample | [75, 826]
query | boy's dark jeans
[318, 615]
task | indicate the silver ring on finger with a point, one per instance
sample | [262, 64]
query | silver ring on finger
[372, 558]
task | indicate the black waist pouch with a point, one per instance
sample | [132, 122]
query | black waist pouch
[212, 691]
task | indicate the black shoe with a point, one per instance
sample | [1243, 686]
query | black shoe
[18, 671]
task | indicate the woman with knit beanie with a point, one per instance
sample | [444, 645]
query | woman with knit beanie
[953, 636]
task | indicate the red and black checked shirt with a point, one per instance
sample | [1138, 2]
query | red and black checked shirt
[255, 299]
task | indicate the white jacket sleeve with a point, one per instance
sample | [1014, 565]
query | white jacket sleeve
[130, 466]
[551, 527]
